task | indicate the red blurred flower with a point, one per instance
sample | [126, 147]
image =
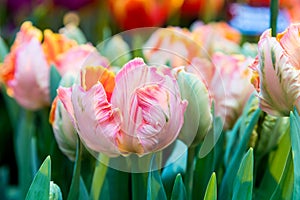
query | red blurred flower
[131, 14]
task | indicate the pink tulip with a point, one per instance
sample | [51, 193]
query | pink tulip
[26, 68]
[172, 45]
[228, 80]
[276, 72]
[138, 111]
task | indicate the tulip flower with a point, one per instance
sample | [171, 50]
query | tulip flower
[173, 46]
[64, 131]
[131, 14]
[139, 111]
[218, 36]
[207, 10]
[228, 80]
[26, 68]
[276, 72]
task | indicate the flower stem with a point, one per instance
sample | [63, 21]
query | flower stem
[99, 176]
[188, 178]
[25, 150]
[273, 19]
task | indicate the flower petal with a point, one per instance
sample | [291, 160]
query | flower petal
[290, 42]
[92, 75]
[151, 107]
[30, 85]
[279, 80]
[97, 122]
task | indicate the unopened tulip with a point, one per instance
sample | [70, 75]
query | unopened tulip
[197, 118]
[139, 111]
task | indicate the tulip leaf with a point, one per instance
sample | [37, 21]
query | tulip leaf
[295, 139]
[74, 191]
[243, 183]
[232, 169]
[232, 140]
[39, 189]
[211, 190]
[155, 188]
[3, 50]
[179, 192]
[203, 170]
[175, 164]
[139, 185]
[276, 165]
[55, 78]
[284, 189]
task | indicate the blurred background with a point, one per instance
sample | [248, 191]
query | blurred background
[101, 18]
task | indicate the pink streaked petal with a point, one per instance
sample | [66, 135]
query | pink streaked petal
[162, 115]
[98, 123]
[129, 67]
[290, 41]
[279, 80]
[64, 95]
[31, 79]
[135, 74]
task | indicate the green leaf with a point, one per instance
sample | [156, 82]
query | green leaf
[155, 188]
[74, 188]
[83, 193]
[295, 139]
[231, 171]
[175, 164]
[39, 189]
[284, 189]
[232, 141]
[276, 165]
[54, 82]
[211, 190]
[203, 170]
[3, 50]
[243, 183]
[179, 191]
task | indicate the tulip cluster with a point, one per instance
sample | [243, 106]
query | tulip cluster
[193, 106]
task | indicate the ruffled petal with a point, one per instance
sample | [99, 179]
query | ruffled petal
[30, 85]
[279, 80]
[97, 122]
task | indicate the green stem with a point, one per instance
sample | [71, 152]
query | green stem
[188, 178]
[25, 150]
[139, 185]
[99, 176]
[273, 19]
[74, 188]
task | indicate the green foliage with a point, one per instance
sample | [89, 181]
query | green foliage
[39, 189]
[243, 183]
[295, 140]
[179, 192]
[54, 82]
[211, 190]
